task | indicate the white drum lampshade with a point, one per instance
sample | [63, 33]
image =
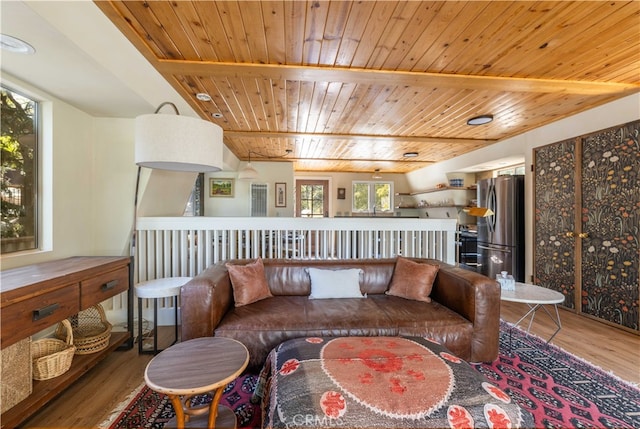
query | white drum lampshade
[178, 143]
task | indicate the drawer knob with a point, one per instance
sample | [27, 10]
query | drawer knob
[43, 312]
[109, 285]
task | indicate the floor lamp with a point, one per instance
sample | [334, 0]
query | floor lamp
[175, 143]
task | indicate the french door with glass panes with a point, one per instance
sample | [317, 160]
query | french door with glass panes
[312, 198]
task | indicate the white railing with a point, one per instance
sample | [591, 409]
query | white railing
[168, 247]
[185, 246]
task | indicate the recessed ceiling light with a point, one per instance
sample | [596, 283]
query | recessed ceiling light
[480, 120]
[202, 96]
[410, 154]
[12, 44]
[217, 115]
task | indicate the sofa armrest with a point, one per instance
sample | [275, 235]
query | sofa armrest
[476, 298]
[204, 301]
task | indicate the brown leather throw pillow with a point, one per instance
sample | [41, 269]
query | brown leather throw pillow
[412, 280]
[248, 282]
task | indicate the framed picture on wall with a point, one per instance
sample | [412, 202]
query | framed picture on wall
[219, 187]
[341, 193]
[281, 195]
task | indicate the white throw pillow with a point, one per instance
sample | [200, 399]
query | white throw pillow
[335, 283]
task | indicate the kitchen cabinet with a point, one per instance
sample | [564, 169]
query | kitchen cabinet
[587, 212]
[38, 296]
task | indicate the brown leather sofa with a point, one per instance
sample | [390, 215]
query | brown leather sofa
[464, 312]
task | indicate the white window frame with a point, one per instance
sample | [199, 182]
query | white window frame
[371, 205]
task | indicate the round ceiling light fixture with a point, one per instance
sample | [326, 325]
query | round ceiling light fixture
[15, 45]
[203, 96]
[217, 115]
[410, 154]
[480, 120]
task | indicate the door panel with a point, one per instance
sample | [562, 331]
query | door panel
[494, 259]
[312, 198]
[555, 212]
[610, 217]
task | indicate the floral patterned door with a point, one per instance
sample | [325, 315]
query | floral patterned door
[610, 223]
[555, 202]
[587, 223]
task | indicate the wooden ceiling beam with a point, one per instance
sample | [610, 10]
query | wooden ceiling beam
[377, 138]
[386, 77]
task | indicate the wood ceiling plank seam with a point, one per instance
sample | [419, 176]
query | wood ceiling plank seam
[235, 91]
[304, 105]
[329, 105]
[372, 33]
[317, 107]
[417, 103]
[528, 24]
[359, 16]
[315, 22]
[535, 57]
[153, 35]
[279, 94]
[522, 31]
[190, 23]
[444, 29]
[442, 121]
[497, 45]
[294, 24]
[172, 29]
[533, 63]
[466, 43]
[293, 101]
[214, 30]
[233, 26]
[333, 33]
[426, 113]
[390, 106]
[392, 34]
[274, 30]
[357, 108]
[127, 23]
[219, 91]
[415, 35]
[269, 104]
[335, 115]
[493, 40]
[255, 31]
[253, 106]
[611, 40]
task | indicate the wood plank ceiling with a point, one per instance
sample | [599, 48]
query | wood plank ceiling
[353, 85]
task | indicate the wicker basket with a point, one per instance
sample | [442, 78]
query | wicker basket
[52, 357]
[91, 330]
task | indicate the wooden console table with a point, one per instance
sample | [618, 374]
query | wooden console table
[35, 297]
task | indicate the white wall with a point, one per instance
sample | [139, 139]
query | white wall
[269, 173]
[616, 113]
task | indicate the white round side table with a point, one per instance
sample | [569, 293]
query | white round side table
[154, 289]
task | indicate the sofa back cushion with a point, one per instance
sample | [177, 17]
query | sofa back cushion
[290, 277]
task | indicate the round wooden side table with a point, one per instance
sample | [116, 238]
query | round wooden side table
[194, 367]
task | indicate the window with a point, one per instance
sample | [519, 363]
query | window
[372, 197]
[312, 198]
[18, 191]
[515, 170]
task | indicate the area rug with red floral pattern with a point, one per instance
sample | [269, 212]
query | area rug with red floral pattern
[379, 382]
[557, 388]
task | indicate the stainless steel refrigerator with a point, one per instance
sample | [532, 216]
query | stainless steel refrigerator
[501, 235]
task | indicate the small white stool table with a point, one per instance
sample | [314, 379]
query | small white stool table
[154, 289]
[535, 297]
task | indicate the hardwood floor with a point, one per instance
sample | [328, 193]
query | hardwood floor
[89, 401]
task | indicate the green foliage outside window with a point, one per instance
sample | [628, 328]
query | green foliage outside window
[372, 197]
[18, 146]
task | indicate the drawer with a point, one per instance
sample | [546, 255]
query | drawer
[24, 318]
[103, 286]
